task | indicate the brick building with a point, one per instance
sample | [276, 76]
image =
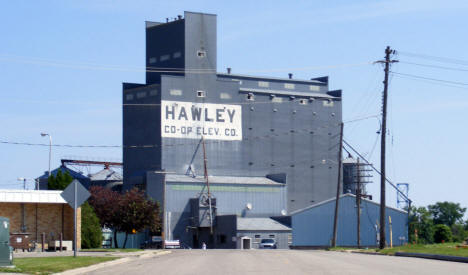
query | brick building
[36, 212]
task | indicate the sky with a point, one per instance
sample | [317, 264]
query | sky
[62, 64]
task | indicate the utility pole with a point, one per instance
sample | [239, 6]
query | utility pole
[358, 203]
[335, 221]
[387, 63]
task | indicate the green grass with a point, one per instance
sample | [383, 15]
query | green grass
[440, 249]
[111, 250]
[49, 265]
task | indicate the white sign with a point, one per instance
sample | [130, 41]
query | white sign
[194, 120]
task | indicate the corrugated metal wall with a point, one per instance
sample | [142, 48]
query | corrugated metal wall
[314, 226]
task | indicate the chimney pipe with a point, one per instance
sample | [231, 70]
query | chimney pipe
[290, 75]
[167, 19]
[179, 16]
[229, 70]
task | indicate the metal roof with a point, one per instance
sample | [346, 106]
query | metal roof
[106, 174]
[221, 179]
[64, 169]
[260, 224]
[288, 93]
[341, 196]
[31, 196]
[300, 81]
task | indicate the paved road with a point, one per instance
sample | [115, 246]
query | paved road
[224, 262]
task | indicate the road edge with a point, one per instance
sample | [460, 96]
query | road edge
[86, 269]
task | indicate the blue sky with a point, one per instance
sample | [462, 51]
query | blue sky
[62, 64]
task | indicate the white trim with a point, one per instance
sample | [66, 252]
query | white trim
[31, 196]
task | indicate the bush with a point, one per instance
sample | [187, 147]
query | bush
[442, 233]
[459, 233]
[91, 233]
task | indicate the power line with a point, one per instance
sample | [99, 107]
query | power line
[432, 79]
[432, 82]
[94, 66]
[435, 58]
[435, 66]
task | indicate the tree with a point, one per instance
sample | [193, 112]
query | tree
[421, 225]
[138, 213]
[447, 213]
[91, 233]
[442, 233]
[459, 233]
[107, 206]
[60, 181]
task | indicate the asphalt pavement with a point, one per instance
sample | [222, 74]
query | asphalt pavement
[224, 262]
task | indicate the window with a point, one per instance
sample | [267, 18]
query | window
[314, 88]
[224, 96]
[328, 103]
[201, 94]
[177, 55]
[288, 85]
[250, 96]
[141, 94]
[152, 60]
[271, 236]
[303, 101]
[277, 99]
[175, 92]
[263, 84]
[129, 97]
[164, 57]
[153, 92]
[201, 54]
[257, 236]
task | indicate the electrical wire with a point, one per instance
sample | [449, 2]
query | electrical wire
[127, 68]
[434, 66]
[431, 79]
[435, 58]
[290, 132]
[432, 82]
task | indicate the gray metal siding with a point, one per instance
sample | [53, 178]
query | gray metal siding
[314, 226]
[141, 132]
[277, 137]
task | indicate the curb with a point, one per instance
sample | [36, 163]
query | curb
[86, 269]
[433, 257]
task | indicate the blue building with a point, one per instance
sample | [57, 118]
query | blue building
[255, 129]
[313, 225]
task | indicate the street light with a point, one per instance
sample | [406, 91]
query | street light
[50, 148]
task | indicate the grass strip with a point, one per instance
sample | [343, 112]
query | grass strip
[49, 265]
[111, 250]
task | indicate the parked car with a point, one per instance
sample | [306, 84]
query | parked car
[267, 243]
[155, 242]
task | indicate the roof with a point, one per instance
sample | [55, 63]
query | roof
[258, 224]
[271, 78]
[64, 169]
[288, 93]
[31, 196]
[221, 179]
[106, 174]
[341, 196]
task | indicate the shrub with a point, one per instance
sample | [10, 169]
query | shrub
[91, 233]
[442, 233]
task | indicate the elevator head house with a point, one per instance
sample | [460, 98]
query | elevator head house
[272, 141]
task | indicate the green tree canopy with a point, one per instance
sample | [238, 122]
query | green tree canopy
[91, 233]
[442, 233]
[447, 213]
[421, 226]
[60, 181]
